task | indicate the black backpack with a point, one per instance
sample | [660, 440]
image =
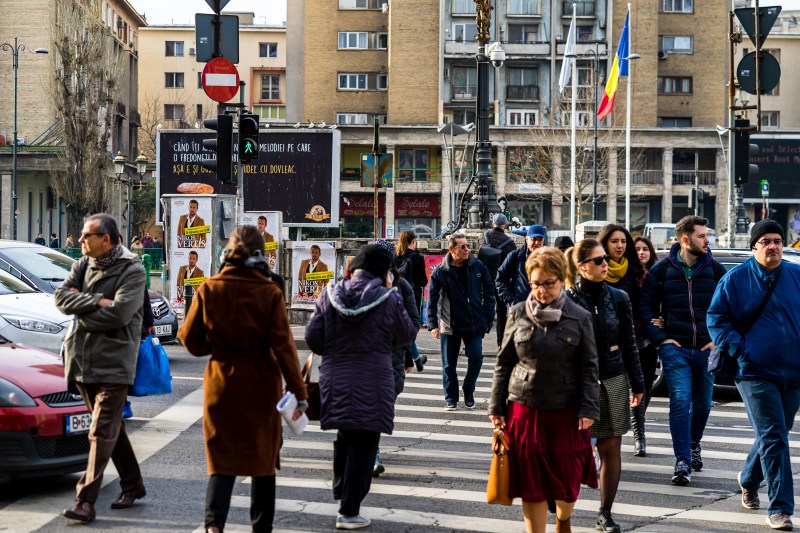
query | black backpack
[404, 267]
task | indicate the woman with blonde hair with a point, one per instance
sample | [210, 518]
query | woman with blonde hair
[545, 394]
[250, 356]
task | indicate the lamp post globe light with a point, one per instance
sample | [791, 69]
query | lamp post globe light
[141, 167]
[119, 170]
[15, 49]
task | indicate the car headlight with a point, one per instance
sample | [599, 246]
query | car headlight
[32, 324]
[13, 396]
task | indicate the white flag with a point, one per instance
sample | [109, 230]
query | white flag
[566, 65]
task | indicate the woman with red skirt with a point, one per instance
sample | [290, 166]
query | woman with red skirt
[546, 394]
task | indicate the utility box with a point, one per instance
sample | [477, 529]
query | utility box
[589, 229]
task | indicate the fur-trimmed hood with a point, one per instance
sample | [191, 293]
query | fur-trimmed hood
[353, 298]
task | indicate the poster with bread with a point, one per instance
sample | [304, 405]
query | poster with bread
[269, 224]
[190, 258]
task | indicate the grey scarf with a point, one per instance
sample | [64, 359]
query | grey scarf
[541, 315]
[108, 258]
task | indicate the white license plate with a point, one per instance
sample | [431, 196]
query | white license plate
[164, 330]
[78, 423]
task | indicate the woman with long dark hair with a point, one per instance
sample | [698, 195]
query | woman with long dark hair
[410, 264]
[618, 359]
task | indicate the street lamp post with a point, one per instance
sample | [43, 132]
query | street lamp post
[141, 167]
[15, 49]
[596, 53]
[119, 170]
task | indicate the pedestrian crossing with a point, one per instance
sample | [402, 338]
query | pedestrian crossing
[437, 464]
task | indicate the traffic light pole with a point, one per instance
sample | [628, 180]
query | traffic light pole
[731, 145]
[239, 165]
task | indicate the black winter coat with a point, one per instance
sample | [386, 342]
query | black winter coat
[552, 368]
[401, 356]
[616, 352]
[681, 301]
[512, 280]
[455, 311]
[419, 277]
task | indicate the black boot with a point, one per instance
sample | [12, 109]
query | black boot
[639, 441]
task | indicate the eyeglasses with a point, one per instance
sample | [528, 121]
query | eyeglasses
[462, 246]
[767, 242]
[599, 260]
[84, 235]
[549, 284]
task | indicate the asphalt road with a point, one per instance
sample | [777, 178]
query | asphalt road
[437, 464]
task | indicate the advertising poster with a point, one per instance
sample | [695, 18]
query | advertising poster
[313, 265]
[268, 224]
[190, 251]
[431, 262]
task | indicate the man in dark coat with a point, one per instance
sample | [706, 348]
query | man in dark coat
[512, 280]
[498, 239]
[460, 308]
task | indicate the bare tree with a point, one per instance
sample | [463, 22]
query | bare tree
[85, 93]
[153, 118]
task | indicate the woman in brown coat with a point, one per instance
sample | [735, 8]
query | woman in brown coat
[239, 317]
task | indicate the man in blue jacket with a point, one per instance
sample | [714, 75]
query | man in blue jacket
[460, 308]
[512, 280]
[679, 288]
[768, 375]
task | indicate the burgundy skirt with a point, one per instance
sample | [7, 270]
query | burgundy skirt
[549, 457]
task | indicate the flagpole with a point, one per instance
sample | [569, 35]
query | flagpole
[573, 158]
[628, 131]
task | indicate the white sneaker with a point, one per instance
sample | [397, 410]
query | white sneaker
[352, 522]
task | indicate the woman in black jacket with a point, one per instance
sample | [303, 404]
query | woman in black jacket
[410, 264]
[545, 392]
[619, 366]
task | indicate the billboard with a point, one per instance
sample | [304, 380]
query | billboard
[297, 173]
[269, 224]
[313, 265]
[189, 248]
[778, 158]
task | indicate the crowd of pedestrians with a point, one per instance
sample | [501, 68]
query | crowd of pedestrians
[583, 326]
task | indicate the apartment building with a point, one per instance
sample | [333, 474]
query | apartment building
[30, 22]
[352, 59]
[170, 86]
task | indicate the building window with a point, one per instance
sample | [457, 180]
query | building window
[199, 111]
[770, 119]
[583, 33]
[270, 112]
[174, 48]
[675, 122]
[464, 7]
[523, 117]
[173, 80]
[270, 87]
[776, 53]
[352, 39]
[413, 165]
[584, 8]
[465, 83]
[463, 117]
[465, 32]
[200, 80]
[523, 33]
[383, 82]
[351, 118]
[674, 85]
[352, 82]
[173, 112]
[677, 44]
[522, 84]
[383, 40]
[678, 6]
[360, 4]
[267, 49]
[523, 7]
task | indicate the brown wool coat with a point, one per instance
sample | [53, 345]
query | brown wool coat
[239, 317]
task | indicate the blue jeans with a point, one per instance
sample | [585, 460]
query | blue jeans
[473, 346]
[414, 350]
[690, 389]
[771, 408]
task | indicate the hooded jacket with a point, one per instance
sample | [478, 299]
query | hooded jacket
[455, 311]
[355, 326]
[512, 280]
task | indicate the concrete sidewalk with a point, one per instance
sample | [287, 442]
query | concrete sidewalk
[425, 341]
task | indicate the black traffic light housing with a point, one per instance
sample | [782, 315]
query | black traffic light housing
[248, 137]
[222, 146]
[743, 171]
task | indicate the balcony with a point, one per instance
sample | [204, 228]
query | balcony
[350, 174]
[686, 177]
[525, 8]
[522, 93]
[463, 92]
[460, 48]
[643, 177]
[585, 8]
[419, 175]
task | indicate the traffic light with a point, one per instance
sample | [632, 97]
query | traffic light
[248, 137]
[222, 145]
[742, 150]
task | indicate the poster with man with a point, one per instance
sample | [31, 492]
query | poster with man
[189, 251]
[313, 265]
[269, 224]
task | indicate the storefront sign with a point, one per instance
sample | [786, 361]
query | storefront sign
[417, 206]
[361, 205]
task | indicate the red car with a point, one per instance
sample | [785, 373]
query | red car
[43, 427]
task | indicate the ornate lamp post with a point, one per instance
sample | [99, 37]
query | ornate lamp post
[141, 167]
[15, 49]
[119, 170]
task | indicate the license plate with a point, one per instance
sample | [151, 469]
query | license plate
[78, 423]
[164, 330]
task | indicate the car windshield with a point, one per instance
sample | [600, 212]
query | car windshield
[11, 285]
[41, 263]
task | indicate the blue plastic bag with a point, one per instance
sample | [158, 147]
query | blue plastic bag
[152, 369]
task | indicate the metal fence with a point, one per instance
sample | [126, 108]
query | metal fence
[156, 255]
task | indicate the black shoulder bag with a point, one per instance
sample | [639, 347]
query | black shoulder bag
[723, 366]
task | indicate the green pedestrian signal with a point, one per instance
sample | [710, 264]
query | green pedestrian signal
[248, 137]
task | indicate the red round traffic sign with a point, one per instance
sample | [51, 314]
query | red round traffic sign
[220, 79]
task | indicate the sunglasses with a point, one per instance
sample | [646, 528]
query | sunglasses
[599, 260]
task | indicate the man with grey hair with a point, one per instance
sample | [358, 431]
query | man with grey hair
[460, 308]
[105, 291]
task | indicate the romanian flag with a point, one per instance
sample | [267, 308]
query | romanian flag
[618, 69]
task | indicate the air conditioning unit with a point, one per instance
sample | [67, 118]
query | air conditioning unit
[446, 72]
[192, 51]
[663, 54]
[602, 24]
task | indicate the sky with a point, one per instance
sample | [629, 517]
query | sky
[183, 11]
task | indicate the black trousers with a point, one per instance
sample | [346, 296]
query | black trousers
[262, 501]
[354, 453]
[502, 316]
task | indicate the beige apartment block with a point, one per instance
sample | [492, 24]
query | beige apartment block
[170, 87]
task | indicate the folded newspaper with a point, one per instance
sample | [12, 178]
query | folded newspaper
[286, 407]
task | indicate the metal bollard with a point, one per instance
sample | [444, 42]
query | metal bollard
[188, 293]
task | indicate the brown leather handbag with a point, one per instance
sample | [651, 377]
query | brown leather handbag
[497, 490]
[312, 388]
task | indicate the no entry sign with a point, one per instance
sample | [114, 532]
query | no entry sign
[220, 79]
